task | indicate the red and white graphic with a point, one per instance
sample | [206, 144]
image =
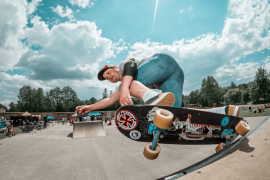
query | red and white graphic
[126, 120]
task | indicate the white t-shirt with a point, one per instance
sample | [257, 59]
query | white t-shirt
[139, 63]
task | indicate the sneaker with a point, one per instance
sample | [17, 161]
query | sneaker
[230, 110]
[165, 99]
[233, 110]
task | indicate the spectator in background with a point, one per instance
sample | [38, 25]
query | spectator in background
[11, 122]
[259, 110]
[254, 110]
[249, 106]
[11, 131]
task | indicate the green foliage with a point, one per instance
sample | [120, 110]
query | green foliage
[262, 82]
[246, 97]
[105, 93]
[210, 92]
[233, 96]
[233, 85]
[66, 99]
[2, 106]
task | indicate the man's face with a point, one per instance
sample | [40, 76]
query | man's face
[111, 75]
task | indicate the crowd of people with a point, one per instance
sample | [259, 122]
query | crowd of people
[259, 110]
[106, 119]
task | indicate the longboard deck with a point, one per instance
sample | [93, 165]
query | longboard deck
[133, 121]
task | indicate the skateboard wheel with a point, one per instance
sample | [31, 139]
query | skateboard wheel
[220, 147]
[163, 119]
[242, 128]
[149, 153]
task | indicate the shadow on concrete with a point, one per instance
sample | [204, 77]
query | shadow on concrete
[244, 147]
[70, 135]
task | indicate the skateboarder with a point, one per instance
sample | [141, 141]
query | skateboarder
[139, 78]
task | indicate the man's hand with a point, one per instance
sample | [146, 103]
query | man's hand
[83, 109]
[125, 97]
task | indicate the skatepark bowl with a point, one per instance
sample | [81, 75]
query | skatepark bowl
[54, 154]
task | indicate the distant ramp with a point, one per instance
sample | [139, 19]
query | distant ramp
[88, 129]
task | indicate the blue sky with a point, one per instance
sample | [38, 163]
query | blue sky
[55, 43]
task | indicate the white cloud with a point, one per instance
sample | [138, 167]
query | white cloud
[11, 84]
[182, 10]
[82, 3]
[237, 72]
[266, 60]
[61, 12]
[12, 21]
[189, 8]
[205, 55]
[31, 7]
[6, 103]
[69, 50]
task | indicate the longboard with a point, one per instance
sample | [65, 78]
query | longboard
[136, 123]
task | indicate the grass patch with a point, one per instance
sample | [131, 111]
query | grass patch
[246, 112]
[4, 135]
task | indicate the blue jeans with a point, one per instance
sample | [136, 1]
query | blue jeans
[162, 69]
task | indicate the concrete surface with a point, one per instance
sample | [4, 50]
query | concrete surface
[88, 129]
[248, 161]
[53, 154]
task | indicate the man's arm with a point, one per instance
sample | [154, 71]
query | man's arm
[126, 82]
[101, 104]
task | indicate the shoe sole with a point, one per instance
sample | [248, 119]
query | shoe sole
[233, 110]
[166, 99]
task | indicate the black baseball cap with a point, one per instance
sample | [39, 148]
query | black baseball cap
[100, 74]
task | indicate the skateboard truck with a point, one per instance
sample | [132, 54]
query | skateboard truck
[162, 121]
[156, 132]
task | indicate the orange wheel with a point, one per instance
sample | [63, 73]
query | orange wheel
[163, 119]
[242, 128]
[220, 147]
[150, 154]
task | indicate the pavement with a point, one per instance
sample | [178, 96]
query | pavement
[250, 160]
[54, 154]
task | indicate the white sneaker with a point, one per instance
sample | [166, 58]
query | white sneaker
[165, 99]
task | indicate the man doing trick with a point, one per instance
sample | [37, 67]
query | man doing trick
[139, 78]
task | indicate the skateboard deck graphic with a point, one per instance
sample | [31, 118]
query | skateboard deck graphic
[143, 122]
[188, 124]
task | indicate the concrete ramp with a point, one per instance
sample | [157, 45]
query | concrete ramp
[88, 129]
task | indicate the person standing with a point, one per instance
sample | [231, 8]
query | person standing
[249, 106]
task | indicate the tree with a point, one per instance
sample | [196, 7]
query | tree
[92, 100]
[2, 106]
[233, 85]
[262, 82]
[49, 104]
[25, 97]
[233, 96]
[194, 97]
[13, 107]
[39, 100]
[67, 95]
[246, 97]
[210, 91]
[56, 95]
[105, 93]
[254, 91]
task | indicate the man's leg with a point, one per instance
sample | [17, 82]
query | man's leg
[175, 85]
[149, 96]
